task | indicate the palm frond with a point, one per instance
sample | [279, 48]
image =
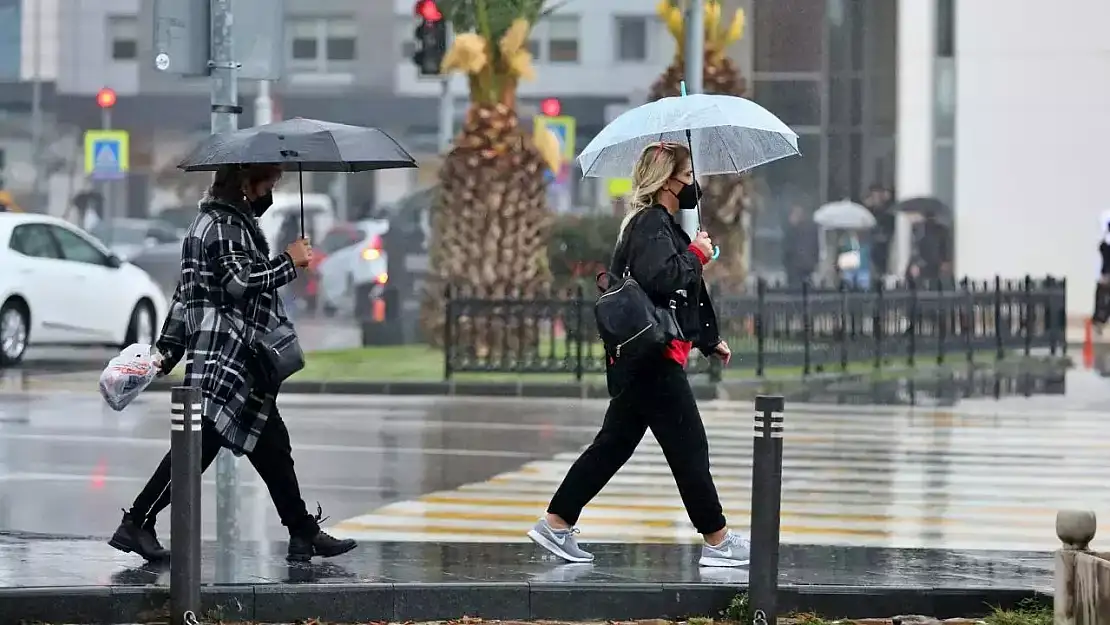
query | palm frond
[463, 14]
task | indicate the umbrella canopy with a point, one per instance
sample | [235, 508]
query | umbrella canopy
[844, 215]
[728, 135]
[924, 206]
[300, 144]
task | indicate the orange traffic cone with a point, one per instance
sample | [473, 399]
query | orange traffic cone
[1088, 345]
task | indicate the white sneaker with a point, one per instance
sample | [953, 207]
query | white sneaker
[734, 550]
[559, 542]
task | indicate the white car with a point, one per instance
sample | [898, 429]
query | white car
[353, 257]
[60, 286]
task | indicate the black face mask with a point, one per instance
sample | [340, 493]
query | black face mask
[262, 204]
[688, 197]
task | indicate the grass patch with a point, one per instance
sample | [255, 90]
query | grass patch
[1028, 612]
[425, 364]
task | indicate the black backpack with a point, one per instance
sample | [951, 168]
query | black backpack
[631, 325]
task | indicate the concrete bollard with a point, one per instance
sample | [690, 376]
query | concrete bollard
[766, 506]
[1082, 578]
[185, 537]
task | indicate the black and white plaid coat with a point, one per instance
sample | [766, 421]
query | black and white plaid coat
[227, 293]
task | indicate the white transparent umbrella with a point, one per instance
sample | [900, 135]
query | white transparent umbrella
[727, 135]
[844, 215]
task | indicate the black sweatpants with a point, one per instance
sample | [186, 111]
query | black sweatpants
[272, 457]
[656, 395]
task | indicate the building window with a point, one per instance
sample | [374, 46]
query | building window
[123, 35]
[631, 39]
[322, 45]
[563, 32]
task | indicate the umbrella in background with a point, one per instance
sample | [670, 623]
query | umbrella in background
[844, 215]
[301, 145]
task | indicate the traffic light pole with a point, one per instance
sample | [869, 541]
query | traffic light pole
[223, 76]
[446, 114]
[107, 187]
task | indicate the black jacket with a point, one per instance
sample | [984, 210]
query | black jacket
[656, 252]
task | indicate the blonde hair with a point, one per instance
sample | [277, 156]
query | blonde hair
[658, 163]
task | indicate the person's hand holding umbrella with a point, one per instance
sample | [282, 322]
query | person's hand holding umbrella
[300, 251]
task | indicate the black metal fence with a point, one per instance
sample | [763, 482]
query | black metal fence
[803, 330]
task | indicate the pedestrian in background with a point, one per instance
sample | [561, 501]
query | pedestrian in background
[228, 293]
[653, 392]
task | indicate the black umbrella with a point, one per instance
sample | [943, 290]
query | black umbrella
[924, 206]
[301, 145]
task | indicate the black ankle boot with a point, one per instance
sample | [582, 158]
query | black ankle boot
[132, 537]
[310, 540]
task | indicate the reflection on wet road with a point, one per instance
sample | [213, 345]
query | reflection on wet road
[984, 473]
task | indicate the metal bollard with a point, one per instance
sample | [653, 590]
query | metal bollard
[763, 576]
[185, 537]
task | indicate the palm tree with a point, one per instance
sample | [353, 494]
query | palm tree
[490, 220]
[726, 197]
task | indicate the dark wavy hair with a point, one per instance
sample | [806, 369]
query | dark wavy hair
[229, 180]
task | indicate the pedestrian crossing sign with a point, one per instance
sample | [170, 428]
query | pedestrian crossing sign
[107, 154]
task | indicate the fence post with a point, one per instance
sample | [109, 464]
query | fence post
[877, 324]
[1062, 321]
[579, 332]
[185, 452]
[941, 320]
[911, 348]
[967, 321]
[843, 326]
[763, 572]
[760, 330]
[999, 353]
[1027, 327]
[448, 331]
[807, 322]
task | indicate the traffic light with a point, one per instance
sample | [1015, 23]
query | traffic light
[551, 107]
[430, 36]
[106, 98]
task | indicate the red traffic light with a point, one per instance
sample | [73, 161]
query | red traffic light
[428, 10]
[551, 107]
[106, 98]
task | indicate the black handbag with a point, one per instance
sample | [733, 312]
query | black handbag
[278, 353]
[630, 324]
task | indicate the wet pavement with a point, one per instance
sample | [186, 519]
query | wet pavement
[66, 562]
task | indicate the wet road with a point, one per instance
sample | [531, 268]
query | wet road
[983, 474]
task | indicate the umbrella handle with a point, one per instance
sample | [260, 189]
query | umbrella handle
[716, 252]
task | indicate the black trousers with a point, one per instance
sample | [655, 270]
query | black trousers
[656, 395]
[272, 457]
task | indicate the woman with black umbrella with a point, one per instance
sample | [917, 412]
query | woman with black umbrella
[228, 293]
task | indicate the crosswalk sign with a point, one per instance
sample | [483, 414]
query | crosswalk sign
[107, 154]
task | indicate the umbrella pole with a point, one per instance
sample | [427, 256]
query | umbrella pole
[300, 186]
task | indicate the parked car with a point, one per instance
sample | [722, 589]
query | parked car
[61, 286]
[354, 256]
[127, 237]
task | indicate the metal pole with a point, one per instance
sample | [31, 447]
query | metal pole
[263, 105]
[107, 187]
[766, 503]
[185, 452]
[223, 71]
[446, 115]
[36, 110]
[694, 56]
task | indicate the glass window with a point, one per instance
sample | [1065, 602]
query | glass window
[796, 102]
[795, 180]
[123, 35]
[788, 35]
[846, 167]
[323, 45]
[946, 29]
[34, 240]
[341, 37]
[76, 248]
[845, 102]
[535, 49]
[631, 42]
[562, 39]
[10, 23]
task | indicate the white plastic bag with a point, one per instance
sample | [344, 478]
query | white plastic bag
[128, 374]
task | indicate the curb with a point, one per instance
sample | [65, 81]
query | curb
[386, 602]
